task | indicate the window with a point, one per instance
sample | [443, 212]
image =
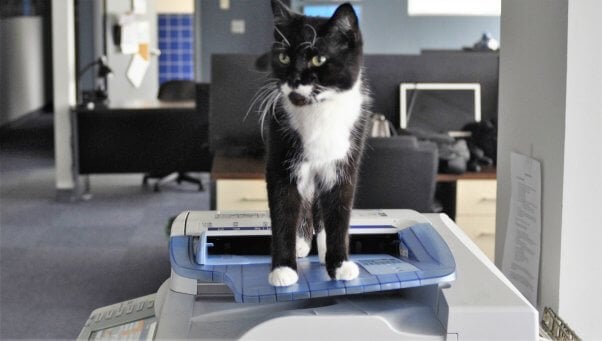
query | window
[455, 7]
[326, 10]
[176, 43]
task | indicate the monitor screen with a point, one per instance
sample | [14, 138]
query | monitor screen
[441, 108]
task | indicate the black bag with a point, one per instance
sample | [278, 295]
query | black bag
[482, 143]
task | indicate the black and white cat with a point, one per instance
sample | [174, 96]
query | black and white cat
[315, 104]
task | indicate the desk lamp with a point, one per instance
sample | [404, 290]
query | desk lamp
[98, 96]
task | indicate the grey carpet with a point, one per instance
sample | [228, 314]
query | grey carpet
[60, 261]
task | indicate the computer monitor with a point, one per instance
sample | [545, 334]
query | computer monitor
[439, 107]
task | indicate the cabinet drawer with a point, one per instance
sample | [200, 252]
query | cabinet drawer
[241, 195]
[476, 197]
[481, 230]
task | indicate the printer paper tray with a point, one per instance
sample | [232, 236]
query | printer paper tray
[424, 259]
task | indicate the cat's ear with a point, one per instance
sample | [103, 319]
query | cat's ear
[345, 21]
[282, 14]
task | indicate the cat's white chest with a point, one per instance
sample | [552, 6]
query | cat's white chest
[325, 130]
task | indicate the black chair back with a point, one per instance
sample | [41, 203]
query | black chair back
[397, 172]
[177, 90]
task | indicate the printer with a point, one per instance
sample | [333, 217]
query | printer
[420, 277]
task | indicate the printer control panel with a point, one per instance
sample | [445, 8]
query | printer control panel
[133, 319]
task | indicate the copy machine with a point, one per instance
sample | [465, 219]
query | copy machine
[420, 278]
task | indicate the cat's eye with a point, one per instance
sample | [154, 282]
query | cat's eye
[284, 58]
[318, 60]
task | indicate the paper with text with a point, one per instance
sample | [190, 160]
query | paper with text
[520, 262]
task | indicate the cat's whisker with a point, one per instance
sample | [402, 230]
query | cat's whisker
[270, 102]
[282, 35]
[264, 114]
[261, 93]
[258, 96]
[315, 34]
[304, 45]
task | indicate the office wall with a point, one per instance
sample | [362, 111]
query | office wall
[215, 36]
[22, 67]
[119, 87]
[90, 41]
[550, 81]
[580, 270]
[386, 27]
[531, 119]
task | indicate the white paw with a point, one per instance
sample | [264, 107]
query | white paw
[283, 276]
[321, 241]
[347, 271]
[303, 247]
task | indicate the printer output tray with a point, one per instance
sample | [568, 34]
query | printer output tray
[424, 259]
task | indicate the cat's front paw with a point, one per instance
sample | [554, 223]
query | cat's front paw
[347, 271]
[302, 247]
[283, 276]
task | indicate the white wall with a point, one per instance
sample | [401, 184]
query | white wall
[581, 246]
[531, 116]
[550, 109]
[21, 67]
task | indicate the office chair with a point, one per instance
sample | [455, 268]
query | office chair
[177, 90]
[398, 172]
[182, 90]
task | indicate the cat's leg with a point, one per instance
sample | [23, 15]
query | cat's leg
[285, 204]
[305, 232]
[336, 210]
[320, 232]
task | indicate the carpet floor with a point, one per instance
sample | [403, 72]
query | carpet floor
[59, 261]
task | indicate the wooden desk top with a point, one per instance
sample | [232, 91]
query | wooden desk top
[241, 168]
[487, 173]
[246, 168]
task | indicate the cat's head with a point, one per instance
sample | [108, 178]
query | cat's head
[314, 58]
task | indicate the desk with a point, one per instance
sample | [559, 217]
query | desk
[238, 183]
[228, 168]
[470, 200]
[141, 137]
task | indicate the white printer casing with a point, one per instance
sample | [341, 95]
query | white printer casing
[481, 304]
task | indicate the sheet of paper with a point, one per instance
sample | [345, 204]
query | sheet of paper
[129, 38]
[139, 6]
[520, 262]
[143, 31]
[137, 70]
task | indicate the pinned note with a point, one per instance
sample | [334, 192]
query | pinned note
[137, 70]
[520, 262]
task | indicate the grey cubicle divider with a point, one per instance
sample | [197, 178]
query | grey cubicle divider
[386, 72]
[235, 81]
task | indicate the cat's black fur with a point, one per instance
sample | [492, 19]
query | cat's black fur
[340, 40]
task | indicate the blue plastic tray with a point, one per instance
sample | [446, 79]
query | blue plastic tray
[424, 258]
